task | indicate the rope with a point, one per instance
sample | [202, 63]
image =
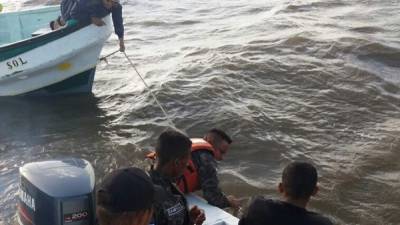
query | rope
[151, 92]
[104, 58]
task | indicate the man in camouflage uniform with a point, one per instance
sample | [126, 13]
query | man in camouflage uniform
[170, 207]
[206, 165]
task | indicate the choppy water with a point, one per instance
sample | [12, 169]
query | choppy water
[311, 80]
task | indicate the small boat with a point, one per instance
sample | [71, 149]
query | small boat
[65, 194]
[36, 60]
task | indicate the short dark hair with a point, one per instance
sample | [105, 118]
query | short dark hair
[299, 179]
[172, 145]
[221, 134]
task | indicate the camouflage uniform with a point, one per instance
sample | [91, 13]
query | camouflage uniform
[208, 180]
[170, 207]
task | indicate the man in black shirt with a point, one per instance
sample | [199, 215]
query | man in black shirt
[91, 11]
[170, 207]
[299, 183]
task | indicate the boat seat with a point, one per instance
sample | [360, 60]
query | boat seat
[41, 31]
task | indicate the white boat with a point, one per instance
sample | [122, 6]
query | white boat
[36, 60]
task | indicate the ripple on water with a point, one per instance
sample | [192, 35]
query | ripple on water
[289, 80]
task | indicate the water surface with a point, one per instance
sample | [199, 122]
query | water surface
[315, 80]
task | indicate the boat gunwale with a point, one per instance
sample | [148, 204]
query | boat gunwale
[34, 42]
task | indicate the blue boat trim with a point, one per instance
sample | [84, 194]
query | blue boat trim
[78, 84]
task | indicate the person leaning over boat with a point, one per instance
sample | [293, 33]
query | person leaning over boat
[201, 172]
[299, 183]
[125, 197]
[170, 207]
[91, 11]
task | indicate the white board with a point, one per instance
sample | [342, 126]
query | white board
[214, 215]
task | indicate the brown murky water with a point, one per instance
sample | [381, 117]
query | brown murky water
[315, 80]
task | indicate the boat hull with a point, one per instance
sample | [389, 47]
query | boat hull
[77, 84]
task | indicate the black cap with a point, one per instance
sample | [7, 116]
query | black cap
[126, 190]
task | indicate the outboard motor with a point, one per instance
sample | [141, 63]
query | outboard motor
[58, 192]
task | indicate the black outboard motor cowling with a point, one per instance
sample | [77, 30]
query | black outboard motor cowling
[58, 192]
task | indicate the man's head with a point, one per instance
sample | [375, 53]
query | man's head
[173, 152]
[220, 142]
[125, 197]
[299, 181]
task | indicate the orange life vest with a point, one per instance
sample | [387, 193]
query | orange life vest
[189, 182]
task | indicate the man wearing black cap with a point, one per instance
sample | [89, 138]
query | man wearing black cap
[170, 208]
[125, 197]
[299, 183]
